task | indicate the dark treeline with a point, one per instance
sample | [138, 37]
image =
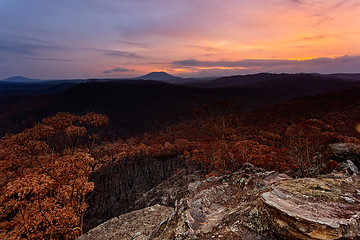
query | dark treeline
[135, 106]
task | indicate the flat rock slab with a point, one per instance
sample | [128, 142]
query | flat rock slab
[315, 208]
[134, 225]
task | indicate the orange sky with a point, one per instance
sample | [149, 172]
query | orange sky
[129, 38]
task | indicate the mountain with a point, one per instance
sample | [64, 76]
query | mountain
[159, 76]
[20, 79]
[318, 83]
[298, 85]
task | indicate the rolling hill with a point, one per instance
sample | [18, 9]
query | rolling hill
[20, 79]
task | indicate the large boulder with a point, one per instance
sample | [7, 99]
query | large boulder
[138, 224]
[313, 209]
[214, 208]
[347, 168]
[345, 151]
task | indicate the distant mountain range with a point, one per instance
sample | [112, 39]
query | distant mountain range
[265, 79]
[154, 76]
[250, 80]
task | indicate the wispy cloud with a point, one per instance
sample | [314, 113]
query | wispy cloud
[321, 36]
[333, 35]
[118, 69]
[136, 44]
[25, 46]
[48, 59]
[30, 39]
[205, 48]
[241, 63]
[114, 53]
[123, 54]
[16, 50]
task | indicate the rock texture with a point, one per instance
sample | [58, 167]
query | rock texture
[214, 208]
[314, 209]
[138, 224]
[348, 168]
[346, 151]
[249, 204]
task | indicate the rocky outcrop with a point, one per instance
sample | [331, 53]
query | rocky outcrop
[249, 204]
[170, 190]
[313, 209]
[218, 207]
[138, 225]
[345, 151]
[347, 168]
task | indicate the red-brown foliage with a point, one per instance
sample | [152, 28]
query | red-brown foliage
[46, 168]
[45, 178]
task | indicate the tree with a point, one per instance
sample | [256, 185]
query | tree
[306, 144]
[46, 178]
[220, 123]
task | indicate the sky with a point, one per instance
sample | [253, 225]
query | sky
[51, 39]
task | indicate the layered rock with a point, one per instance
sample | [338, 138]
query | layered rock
[249, 204]
[212, 208]
[314, 209]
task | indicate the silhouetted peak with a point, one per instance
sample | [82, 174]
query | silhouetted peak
[20, 79]
[161, 76]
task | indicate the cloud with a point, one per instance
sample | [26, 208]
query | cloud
[48, 59]
[118, 69]
[136, 44]
[25, 46]
[32, 40]
[325, 36]
[114, 53]
[320, 36]
[16, 50]
[203, 48]
[232, 64]
[344, 64]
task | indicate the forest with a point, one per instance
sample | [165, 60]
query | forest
[73, 159]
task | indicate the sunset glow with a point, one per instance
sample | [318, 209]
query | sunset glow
[86, 39]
